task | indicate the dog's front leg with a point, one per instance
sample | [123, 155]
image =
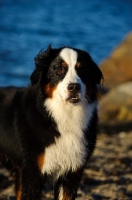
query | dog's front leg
[66, 187]
[30, 183]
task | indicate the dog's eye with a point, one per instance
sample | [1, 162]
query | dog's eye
[61, 70]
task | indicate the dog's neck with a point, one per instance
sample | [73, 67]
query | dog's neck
[70, 118]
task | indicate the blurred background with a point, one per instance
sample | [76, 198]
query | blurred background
[26, 27]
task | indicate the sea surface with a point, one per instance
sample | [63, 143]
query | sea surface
[27, 26]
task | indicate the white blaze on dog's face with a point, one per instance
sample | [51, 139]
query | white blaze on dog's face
[71, 88]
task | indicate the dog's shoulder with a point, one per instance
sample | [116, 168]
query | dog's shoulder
[7, 94]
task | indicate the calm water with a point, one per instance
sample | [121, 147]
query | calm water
[27, 26]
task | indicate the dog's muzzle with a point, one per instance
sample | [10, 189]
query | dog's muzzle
[74, 92]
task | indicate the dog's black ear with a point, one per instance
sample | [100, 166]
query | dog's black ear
[41, 63]
[36, 76]
[96, 74]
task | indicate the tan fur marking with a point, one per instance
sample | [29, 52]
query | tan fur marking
[19, 193]
[64, 64]
[65, 197]
[78, 65]
[40, 161]
[49, 91]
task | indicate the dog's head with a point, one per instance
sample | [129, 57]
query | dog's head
[67, 74]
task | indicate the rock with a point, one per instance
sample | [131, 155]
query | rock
[116, 106]
[117, 68]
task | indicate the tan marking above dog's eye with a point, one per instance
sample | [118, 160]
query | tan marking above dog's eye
[64, 64]
[78, 65]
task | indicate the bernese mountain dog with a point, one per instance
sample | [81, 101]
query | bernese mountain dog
[48, 129]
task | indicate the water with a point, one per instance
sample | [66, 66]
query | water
[27, 26]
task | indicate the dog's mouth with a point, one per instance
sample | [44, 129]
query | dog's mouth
[74, 99]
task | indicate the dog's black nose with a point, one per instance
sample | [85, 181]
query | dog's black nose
[74, 87]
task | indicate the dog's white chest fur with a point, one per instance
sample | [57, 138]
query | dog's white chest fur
[67, 153]
[69, 150]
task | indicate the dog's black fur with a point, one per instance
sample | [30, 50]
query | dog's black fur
[26, 128]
